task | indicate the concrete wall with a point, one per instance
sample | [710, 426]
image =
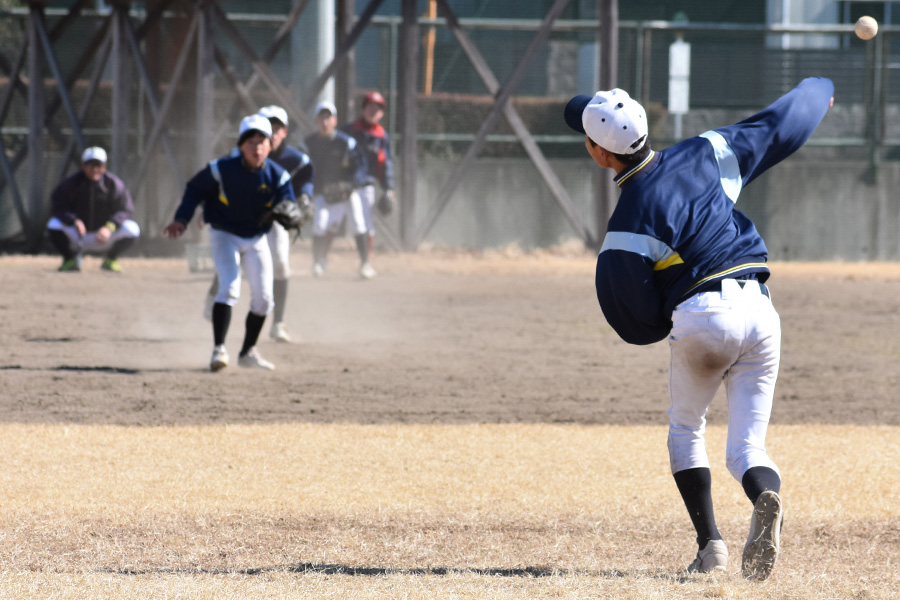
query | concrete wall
[806, 208]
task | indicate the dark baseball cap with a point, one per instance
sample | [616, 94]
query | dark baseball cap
[574, 111]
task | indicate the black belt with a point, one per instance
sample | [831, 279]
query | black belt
[716, 286]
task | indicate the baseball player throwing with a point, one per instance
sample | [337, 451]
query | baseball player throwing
[679, 261]
[238, 194]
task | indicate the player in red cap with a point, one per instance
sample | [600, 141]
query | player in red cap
[373, 139]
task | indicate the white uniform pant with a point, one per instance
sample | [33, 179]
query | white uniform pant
[229, 253]
[367, 195]
[329, 217]
[280, 247]
[733, 335]
[89, 243]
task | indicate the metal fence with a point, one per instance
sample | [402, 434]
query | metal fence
[734, 69]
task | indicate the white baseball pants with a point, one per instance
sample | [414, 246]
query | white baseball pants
[733, 335]
[280, 247]
[367, 196]
[329, 217]
[229, 253]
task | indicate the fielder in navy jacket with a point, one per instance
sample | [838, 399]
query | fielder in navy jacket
[235, 197]
[675, 229]
[679, 261]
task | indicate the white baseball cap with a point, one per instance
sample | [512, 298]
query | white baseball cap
[329, 106]
[255, 123]
[614, 120]
[274, 112]
[93, 153]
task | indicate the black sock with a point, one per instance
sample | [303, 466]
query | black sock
[221, 319]
[759, 479]
[695, 486]
[62, 243]
[279, 290]
[318, 249]
[253, 326]
[362, 246]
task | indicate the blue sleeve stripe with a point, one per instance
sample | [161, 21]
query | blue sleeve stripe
[729, 170]
[649, 247]
[284, 179]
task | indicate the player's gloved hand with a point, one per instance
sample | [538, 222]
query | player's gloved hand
[387, 202]
[337, 192]
[286, 212]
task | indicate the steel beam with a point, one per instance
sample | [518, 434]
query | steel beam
[159, 123]
[282, 94]
[36, 105]
[281, 35]
[608, 74]
[243, 94]
[23, 151]
[152, 99]
[409, 127]
[345, 82]
[206, 88]
[515, 122]
[99, 67]
[10, 176]
[121, 100]
[60, 88]
[501, 99]
[15, 70]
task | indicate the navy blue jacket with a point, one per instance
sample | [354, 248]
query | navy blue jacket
[376, 144]
[295, 161]
[234, 197]
[675, 229]
[337, 159]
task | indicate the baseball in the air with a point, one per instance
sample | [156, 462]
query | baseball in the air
[866, 28]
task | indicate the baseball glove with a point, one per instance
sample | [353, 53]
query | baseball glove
[337, 192]
[386, 203]
[287, 213]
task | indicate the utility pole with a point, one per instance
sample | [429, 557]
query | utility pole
[607, 76]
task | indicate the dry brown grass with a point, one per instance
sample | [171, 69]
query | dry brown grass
[424, 511]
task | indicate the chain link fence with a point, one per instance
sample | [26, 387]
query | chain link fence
[734, 70]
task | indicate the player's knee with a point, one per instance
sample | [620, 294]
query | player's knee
[262, 306]
[130, 229]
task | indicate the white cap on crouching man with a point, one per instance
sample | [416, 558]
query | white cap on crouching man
[615, 121]
[93, 153]
[254, 123]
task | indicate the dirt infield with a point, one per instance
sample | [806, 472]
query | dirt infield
[466, 425]
[438, 337]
